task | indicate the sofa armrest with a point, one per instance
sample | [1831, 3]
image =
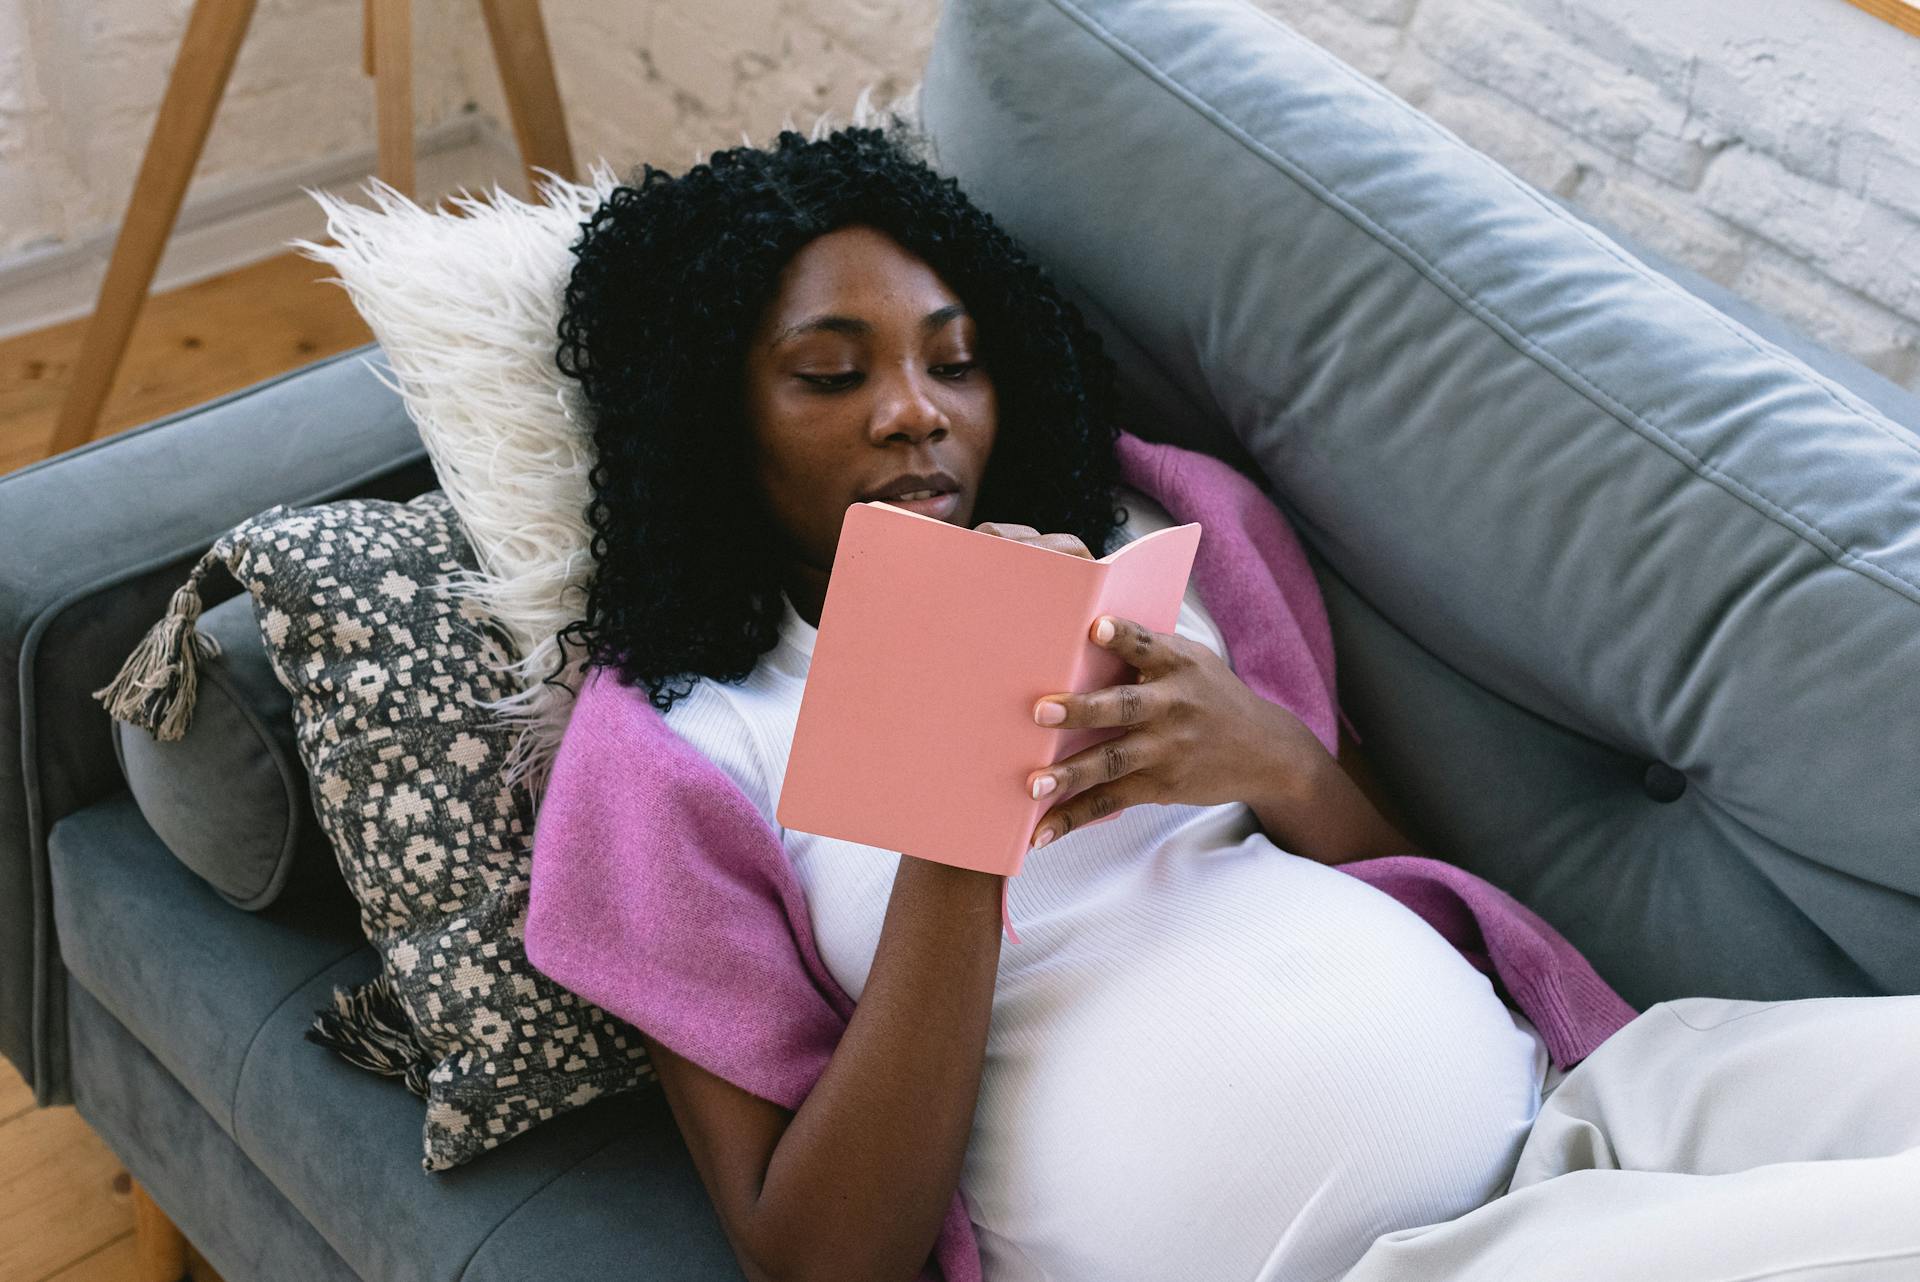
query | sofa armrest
[96, 541]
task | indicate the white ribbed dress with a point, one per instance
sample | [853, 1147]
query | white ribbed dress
[1209, 1059]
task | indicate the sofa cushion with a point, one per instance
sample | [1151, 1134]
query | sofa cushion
[1672, 567]
[219, 998]
[191, 977]
[1885, 395]
[223, 1203]
[229, 797]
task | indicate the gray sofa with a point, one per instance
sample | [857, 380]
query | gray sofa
[1622, 578]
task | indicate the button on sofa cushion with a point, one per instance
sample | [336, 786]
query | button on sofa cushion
[1568, 519]
[389, 668]
[230, 796]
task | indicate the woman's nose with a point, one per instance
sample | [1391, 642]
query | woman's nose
[906, 405]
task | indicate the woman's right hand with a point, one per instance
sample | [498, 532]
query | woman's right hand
[1027, 534]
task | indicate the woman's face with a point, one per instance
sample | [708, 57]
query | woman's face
[861, 371]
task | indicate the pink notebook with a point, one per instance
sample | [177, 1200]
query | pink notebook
[916, 730]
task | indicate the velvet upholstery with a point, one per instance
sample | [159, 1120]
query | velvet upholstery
[229, 1210]
[1626, 597]
[606, 1190]
[96, 541]
[231, 797]
[1619, 644]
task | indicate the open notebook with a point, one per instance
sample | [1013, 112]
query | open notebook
[916, 730]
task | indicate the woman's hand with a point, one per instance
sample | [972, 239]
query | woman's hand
[1196, 735]
[1069, 543]
[1199, 736]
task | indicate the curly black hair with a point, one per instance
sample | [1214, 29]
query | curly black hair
[671, 278]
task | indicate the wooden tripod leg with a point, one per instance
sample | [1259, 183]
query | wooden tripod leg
[160, 1248]
[533, 97]
[200, 72]
[393, 89]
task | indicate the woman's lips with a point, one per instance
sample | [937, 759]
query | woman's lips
[940, 506]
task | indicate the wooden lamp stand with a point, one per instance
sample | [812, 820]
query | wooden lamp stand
[200, 73]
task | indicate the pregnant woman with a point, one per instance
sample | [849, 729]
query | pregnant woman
[1212, 1055]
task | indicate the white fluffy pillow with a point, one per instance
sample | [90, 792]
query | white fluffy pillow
[466, 305]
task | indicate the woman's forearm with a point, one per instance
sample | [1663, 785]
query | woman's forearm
[1330, 820]
[865, 1171]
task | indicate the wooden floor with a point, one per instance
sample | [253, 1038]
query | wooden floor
[66, 1202]
[190, 345]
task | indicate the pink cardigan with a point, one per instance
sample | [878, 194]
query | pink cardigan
[661, 894]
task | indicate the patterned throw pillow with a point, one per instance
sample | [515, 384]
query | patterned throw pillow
[388, 667]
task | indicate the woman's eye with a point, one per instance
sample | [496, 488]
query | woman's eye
[833, 382]
[956, 371]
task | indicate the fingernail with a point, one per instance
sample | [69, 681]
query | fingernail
[1050, 714]
[1103, 630]
[1042, 786]
[1046, 835]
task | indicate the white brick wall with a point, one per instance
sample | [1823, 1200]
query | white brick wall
[1769, 144]
[669, 81]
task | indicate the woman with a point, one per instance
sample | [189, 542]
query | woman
[1207, 1059]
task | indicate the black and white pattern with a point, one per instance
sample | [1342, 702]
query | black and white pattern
[386, 664]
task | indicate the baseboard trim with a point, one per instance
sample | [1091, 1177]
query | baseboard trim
[248, 221]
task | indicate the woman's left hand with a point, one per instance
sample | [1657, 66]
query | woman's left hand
[1196, 735]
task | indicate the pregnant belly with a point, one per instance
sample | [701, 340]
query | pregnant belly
[1246, 1066]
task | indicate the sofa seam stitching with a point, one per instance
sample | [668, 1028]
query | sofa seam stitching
[1574, 380]
[1545, 356]
[167, 420]
[27, 709]
[536, 1191]
[1766, 348]
[240, 1077]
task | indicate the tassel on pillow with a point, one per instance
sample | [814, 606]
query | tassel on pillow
[155, 688]
[369, 1026]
